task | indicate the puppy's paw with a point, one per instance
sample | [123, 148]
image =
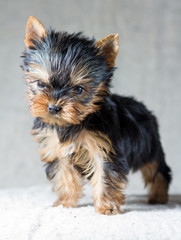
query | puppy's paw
[108, 210]
[158, 199]
[65, 203]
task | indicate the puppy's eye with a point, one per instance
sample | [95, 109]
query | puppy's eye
[79, 90]
[41, 85]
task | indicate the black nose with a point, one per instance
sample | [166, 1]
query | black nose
[53, 109]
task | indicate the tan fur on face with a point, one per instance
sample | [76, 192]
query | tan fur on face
[39, 105]
[74, 112]
[78, 75]
[38, 108]
[37, 72]
[158, 192]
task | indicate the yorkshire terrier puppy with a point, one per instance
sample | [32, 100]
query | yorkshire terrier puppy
[83, 130]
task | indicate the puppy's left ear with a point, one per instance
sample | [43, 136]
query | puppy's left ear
[34, 31]
[109, 47]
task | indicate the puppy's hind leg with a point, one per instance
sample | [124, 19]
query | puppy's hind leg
[157, 176]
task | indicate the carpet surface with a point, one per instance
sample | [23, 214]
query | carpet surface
[27, 214]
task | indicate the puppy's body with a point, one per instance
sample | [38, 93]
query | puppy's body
[84, 131]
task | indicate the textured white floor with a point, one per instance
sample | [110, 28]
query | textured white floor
[26, 214]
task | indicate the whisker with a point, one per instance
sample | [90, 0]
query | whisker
[77, 110]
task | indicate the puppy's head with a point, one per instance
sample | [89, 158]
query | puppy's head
[68, 75]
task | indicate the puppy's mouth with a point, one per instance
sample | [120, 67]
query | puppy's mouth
[54, 119]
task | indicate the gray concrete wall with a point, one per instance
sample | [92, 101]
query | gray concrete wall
[149, 67]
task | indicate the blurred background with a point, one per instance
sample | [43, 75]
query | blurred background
[148, 67]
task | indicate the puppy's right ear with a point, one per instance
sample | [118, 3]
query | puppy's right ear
[109, 47]
[34, 31]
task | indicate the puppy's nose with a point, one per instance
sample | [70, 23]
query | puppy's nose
[53, 109]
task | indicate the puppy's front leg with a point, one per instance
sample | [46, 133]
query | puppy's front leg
[108, 184]
[67, 182]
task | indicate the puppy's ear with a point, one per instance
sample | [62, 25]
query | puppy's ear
[34, 31]
[109, 47]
